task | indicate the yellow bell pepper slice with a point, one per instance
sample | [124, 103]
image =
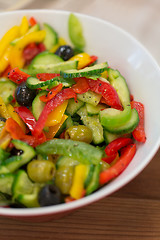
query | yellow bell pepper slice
[3, 109]
[54, 129]
[83, 59]
[56, 115]
[16, 117]
[4, 142]
[79, 176]
[104, 74]
[61, 42]
[16, 59]
[4, 61]
[24, 26]
[7, 38]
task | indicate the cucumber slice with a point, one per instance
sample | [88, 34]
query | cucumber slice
[38, 105]
[111, 117]
[109, 137]
[7, 89]
[120, 85]
[85, 72]
[22, 184]
[76, 32]
[128, 127]
[29, 200]
[24, 191]
[94, 184]
[89, 97]
[34, 83]
[51, 37]
[3, 154]
[6, 181]
[69, 122]
[52, 68]
[15, 162]
[92, 123]
[90, 170]
[94, 110]
[45, 58]
[73, 106]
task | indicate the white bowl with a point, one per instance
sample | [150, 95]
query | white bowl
[123, 52]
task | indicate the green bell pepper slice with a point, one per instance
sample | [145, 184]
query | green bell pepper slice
[80, 151]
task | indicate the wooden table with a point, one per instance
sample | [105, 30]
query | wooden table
[132, 213]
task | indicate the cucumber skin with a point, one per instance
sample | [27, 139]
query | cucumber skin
[93, 123]
[38, 105]
[85, 72]
[128, 127]
[51, 38]
[52, 68]
[6, 181]
[45, 58]
[76, 31]
[15, 162]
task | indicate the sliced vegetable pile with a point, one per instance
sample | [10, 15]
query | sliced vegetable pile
[68, 125]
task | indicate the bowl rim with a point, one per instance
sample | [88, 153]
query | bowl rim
[101, 193]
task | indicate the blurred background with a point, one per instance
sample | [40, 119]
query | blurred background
[141, 18]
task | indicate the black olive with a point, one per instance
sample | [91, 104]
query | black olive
[24, 95]
[65, 52]
[16, 152]
[49, 195]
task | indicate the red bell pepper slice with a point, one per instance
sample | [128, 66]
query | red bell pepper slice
[120, 165]
[17, 76]
[107, 91]
[26, 115]
[114, 146]
[17, 133]
[139, 132]
[81, 85]
[51, 93]
[46, 76]
[57, 100]
[32, 21]
[109, 159]
[31, 50]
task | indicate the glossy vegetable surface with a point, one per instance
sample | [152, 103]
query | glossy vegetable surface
[67, 124]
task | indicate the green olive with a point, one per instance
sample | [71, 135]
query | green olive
[63, 178]
[104, 165]
[41, 170]
[79, 133]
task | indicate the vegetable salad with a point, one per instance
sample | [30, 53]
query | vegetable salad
[68, 124]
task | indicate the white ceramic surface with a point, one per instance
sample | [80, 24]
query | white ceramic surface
[142, 73]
